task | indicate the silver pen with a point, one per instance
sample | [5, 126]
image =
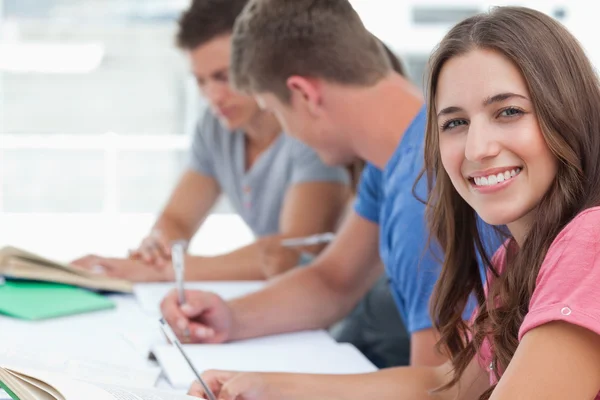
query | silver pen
[171, 336]
[309, 240]
[178, 262]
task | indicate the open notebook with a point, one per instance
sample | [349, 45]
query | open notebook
[30, 384]
[326, 358]
[21, 264]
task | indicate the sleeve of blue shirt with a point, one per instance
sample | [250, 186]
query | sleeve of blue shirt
[308, 167]
[369, 194]
[200, 155]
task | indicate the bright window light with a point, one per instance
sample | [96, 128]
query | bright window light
[50, 58]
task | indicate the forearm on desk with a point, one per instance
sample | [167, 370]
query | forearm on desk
[387, 384]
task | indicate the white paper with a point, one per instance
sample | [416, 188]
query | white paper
[312, 338]
[323, 359]
[150, 295]
[86, 370]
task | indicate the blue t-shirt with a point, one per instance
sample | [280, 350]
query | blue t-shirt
[386, 198]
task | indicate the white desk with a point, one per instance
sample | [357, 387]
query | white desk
[98, 335]
[120, 336]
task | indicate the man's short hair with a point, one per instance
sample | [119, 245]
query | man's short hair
[207, 19]
[275, 39]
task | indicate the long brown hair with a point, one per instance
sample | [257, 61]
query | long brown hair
[566, 98]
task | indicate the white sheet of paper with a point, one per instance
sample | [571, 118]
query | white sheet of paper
[149, 295]
[307, 338]
[86, 370]
[306, 358]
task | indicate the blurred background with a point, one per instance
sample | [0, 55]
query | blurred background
[97, 109]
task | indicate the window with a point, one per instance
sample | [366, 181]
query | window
[96, 106]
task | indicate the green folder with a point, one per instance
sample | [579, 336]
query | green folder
[42, 300]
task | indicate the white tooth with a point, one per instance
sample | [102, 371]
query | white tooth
[484, 181]
[513, 173]
[492, 180]
[500, 177]
[477, 181]
[506, 175]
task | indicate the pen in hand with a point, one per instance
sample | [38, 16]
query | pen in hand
[178, 261]
[173, 339]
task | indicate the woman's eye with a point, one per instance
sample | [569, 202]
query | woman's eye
[510, 112]
[453, 124]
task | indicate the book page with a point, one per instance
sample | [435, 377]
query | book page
[24, 269]
[23, 264]
[72, 389]
[38, 384]
[85, 370]
[23, 389]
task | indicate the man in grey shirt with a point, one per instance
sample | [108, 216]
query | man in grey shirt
[255, 193]
[276, 184]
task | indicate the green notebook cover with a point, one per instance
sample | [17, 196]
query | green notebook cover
[42, 300]
[8, 391]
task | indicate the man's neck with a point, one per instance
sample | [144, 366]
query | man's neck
[376, 117]
[262, 130]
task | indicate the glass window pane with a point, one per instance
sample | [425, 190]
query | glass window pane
[52, 181]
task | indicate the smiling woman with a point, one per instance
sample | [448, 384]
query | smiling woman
[512, 138]
[489, 134]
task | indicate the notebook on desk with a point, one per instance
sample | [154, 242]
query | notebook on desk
[42, 300]
[21, 264]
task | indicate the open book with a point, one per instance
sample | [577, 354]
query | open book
[21, 264]
[29, 384]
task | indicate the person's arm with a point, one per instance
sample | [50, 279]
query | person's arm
[410, 383]
[423, 349]
[313, 297]
[186, 209]
[309, 208]
[188, 206]
[318, 295]
[554, 361]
